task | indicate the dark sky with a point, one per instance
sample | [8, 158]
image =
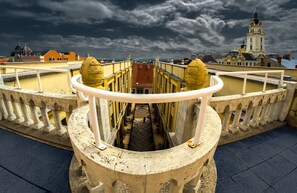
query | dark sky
[144, 28]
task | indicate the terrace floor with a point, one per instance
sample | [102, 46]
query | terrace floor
[264, 163]
[33, 167]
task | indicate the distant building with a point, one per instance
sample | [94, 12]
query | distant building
[255, 38]
[142, 77]
[240, 57]
[25, 54]
[274, 60]
[208, 58]
[3, 59]
[248, 54]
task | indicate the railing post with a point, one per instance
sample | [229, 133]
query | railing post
[60, 129]
[271, 112]
[37, 123]
[234, 127]
[39, 81]
[247, 118]
[225, 124]
[19, 117]
[17, 78]
[265, 81]
[263, 117]
[3, 109]
[200, 122]
[28, 121]
[94, 123]
[11, 115]
[255, 121]
[244, 83]
[47, 124]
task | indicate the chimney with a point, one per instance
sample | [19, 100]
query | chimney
[279, 59]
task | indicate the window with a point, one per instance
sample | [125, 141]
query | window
[251, 47]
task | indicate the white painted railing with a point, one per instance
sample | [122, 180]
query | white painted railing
[246, 73]
[88, 93]
[38, 70]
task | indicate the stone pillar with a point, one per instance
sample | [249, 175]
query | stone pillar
[47, 124]
[286, 104]
[234, 128]
[247, 118]
[28, 121]
[257, 110]
[19, 116]
[60, 129]
[226, 120]
[37, 123]
[11, 115]
[3, 110]
[263, 118]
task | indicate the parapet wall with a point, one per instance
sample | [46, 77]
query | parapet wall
[117, 170]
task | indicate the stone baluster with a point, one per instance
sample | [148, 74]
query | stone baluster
[234, 127]
[37, 123]
[47, 124]
[176, 188]
[60, 129]
[247, 118]
[19, 117]
[225, 124]
[93, 184]
[255, 121]
[276, 114]
[271, 112]
[4, 113]
[194, 184]
[263, 117]
[11, 115]
[28, 121]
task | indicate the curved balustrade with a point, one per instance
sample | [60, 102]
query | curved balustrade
[173, 170]
[204, 95]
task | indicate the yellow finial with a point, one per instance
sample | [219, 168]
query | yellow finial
[196, 75]
[91, 72]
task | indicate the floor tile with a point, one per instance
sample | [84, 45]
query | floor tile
[293, 175]
[248, 157]
[290, 155]
[281, 164]
[285, 185]
[267, 173]
[249, 182]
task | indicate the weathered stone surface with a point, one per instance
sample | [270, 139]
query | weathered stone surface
[143, 171]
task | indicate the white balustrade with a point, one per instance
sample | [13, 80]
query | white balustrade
[246, 73]
[38, 70]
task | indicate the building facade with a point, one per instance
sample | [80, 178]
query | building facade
[142, 77]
